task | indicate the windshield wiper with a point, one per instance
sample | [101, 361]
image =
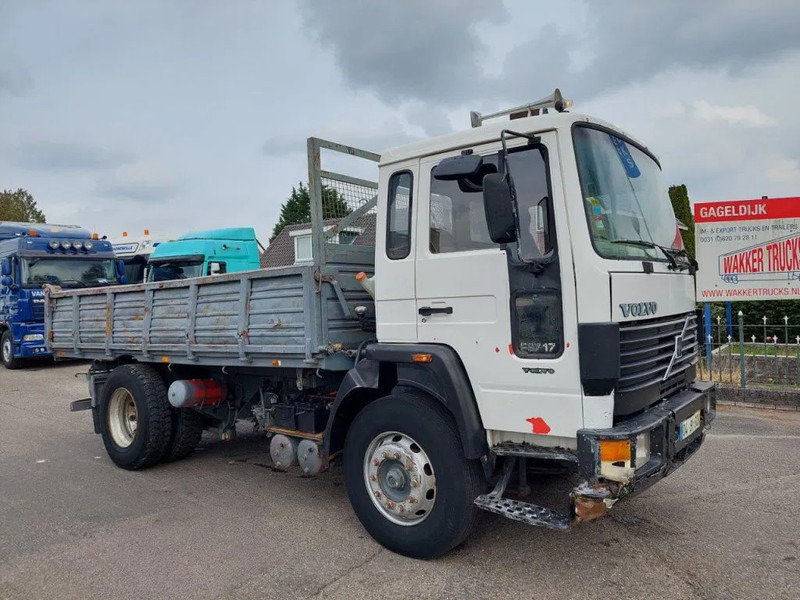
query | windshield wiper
[668, 252]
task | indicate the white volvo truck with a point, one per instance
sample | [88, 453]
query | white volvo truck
[533, 309]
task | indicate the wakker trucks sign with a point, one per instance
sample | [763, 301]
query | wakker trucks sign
[748, 249]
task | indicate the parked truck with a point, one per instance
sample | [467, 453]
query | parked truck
[31, 256]
[134, 251]
[533, 310]
[211, 252]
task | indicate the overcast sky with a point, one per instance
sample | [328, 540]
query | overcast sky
[183, 115]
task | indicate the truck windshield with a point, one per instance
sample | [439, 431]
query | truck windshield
[68, 272]
[625, 199]
[166, 270]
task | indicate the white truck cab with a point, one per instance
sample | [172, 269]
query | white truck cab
[134, 251]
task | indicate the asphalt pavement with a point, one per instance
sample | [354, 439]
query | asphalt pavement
[224, 524]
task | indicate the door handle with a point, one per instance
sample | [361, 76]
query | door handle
[427, 311]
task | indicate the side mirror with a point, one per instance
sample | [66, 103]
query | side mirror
[216, 268]
[5, 268]
[499, 208]
[120, 269]
[6, 282]
[146, 274]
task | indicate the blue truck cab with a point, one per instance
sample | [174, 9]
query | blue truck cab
[203, 253]
[31, 256]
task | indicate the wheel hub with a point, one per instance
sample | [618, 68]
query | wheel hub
[122, 417]
[400, 479]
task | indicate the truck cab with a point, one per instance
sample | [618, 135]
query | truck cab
[33, 255]
[202, 253]
[134, 253]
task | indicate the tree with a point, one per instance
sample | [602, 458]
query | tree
[679, 196]
[19, 206]
[297, 208]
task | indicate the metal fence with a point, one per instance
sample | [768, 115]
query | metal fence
[765, 354]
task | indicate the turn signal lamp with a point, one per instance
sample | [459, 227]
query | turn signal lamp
[95, 236]
[615, 451]
[32, 233]
[422, 358]
[124, 234]
[147, 232]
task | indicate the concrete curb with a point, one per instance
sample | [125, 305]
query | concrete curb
[781, 399]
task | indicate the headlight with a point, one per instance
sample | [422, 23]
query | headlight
[33, 337]
[53, 245]
[66, 245]
[88, 245]
[642, 449]
[77, 245]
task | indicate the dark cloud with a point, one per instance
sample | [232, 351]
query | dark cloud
[417, 49]
[633, 42]
[57, 155]
[429, 51]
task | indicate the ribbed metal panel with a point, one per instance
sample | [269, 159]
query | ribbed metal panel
[248, 319]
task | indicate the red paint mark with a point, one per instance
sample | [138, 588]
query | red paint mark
[567, 344]
[539, 425]
[511, 349]
[496, 349]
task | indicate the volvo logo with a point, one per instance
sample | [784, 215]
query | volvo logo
[677, 352]
[638, 309]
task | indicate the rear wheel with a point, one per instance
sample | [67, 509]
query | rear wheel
[135, 417]
[7, 351]
[407, 478]
[187, 429]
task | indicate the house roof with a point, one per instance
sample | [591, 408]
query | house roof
[280, 252]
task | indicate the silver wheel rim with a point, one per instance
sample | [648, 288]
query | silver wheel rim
[399, 478]
[122, 417]
[7, 350]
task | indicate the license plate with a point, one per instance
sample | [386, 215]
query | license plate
[689, 426]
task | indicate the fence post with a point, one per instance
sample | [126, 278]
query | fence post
[741, 351]
[708, 337]
[728, 318]
[786, 341]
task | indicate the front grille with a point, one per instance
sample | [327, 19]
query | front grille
[38, 310]
[647, 348]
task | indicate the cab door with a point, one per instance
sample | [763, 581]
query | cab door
[505, 321]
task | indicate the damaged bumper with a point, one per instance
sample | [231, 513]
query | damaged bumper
[659, 441]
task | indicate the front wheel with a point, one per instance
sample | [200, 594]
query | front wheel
[407, 478]
[7, 351]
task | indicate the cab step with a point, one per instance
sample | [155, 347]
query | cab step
[525, 512]
[531, 514]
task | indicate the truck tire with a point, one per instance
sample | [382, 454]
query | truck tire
[7, 351]
[407, 478]
[135, 417]
[187, 429]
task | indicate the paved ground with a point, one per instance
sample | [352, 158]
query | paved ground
[221, 525]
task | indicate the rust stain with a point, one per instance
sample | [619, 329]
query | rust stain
[589, 509]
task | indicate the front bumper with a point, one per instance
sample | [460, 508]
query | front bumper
[35, 348]
[661, 423]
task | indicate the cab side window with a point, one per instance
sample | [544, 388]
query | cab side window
[398, 222]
